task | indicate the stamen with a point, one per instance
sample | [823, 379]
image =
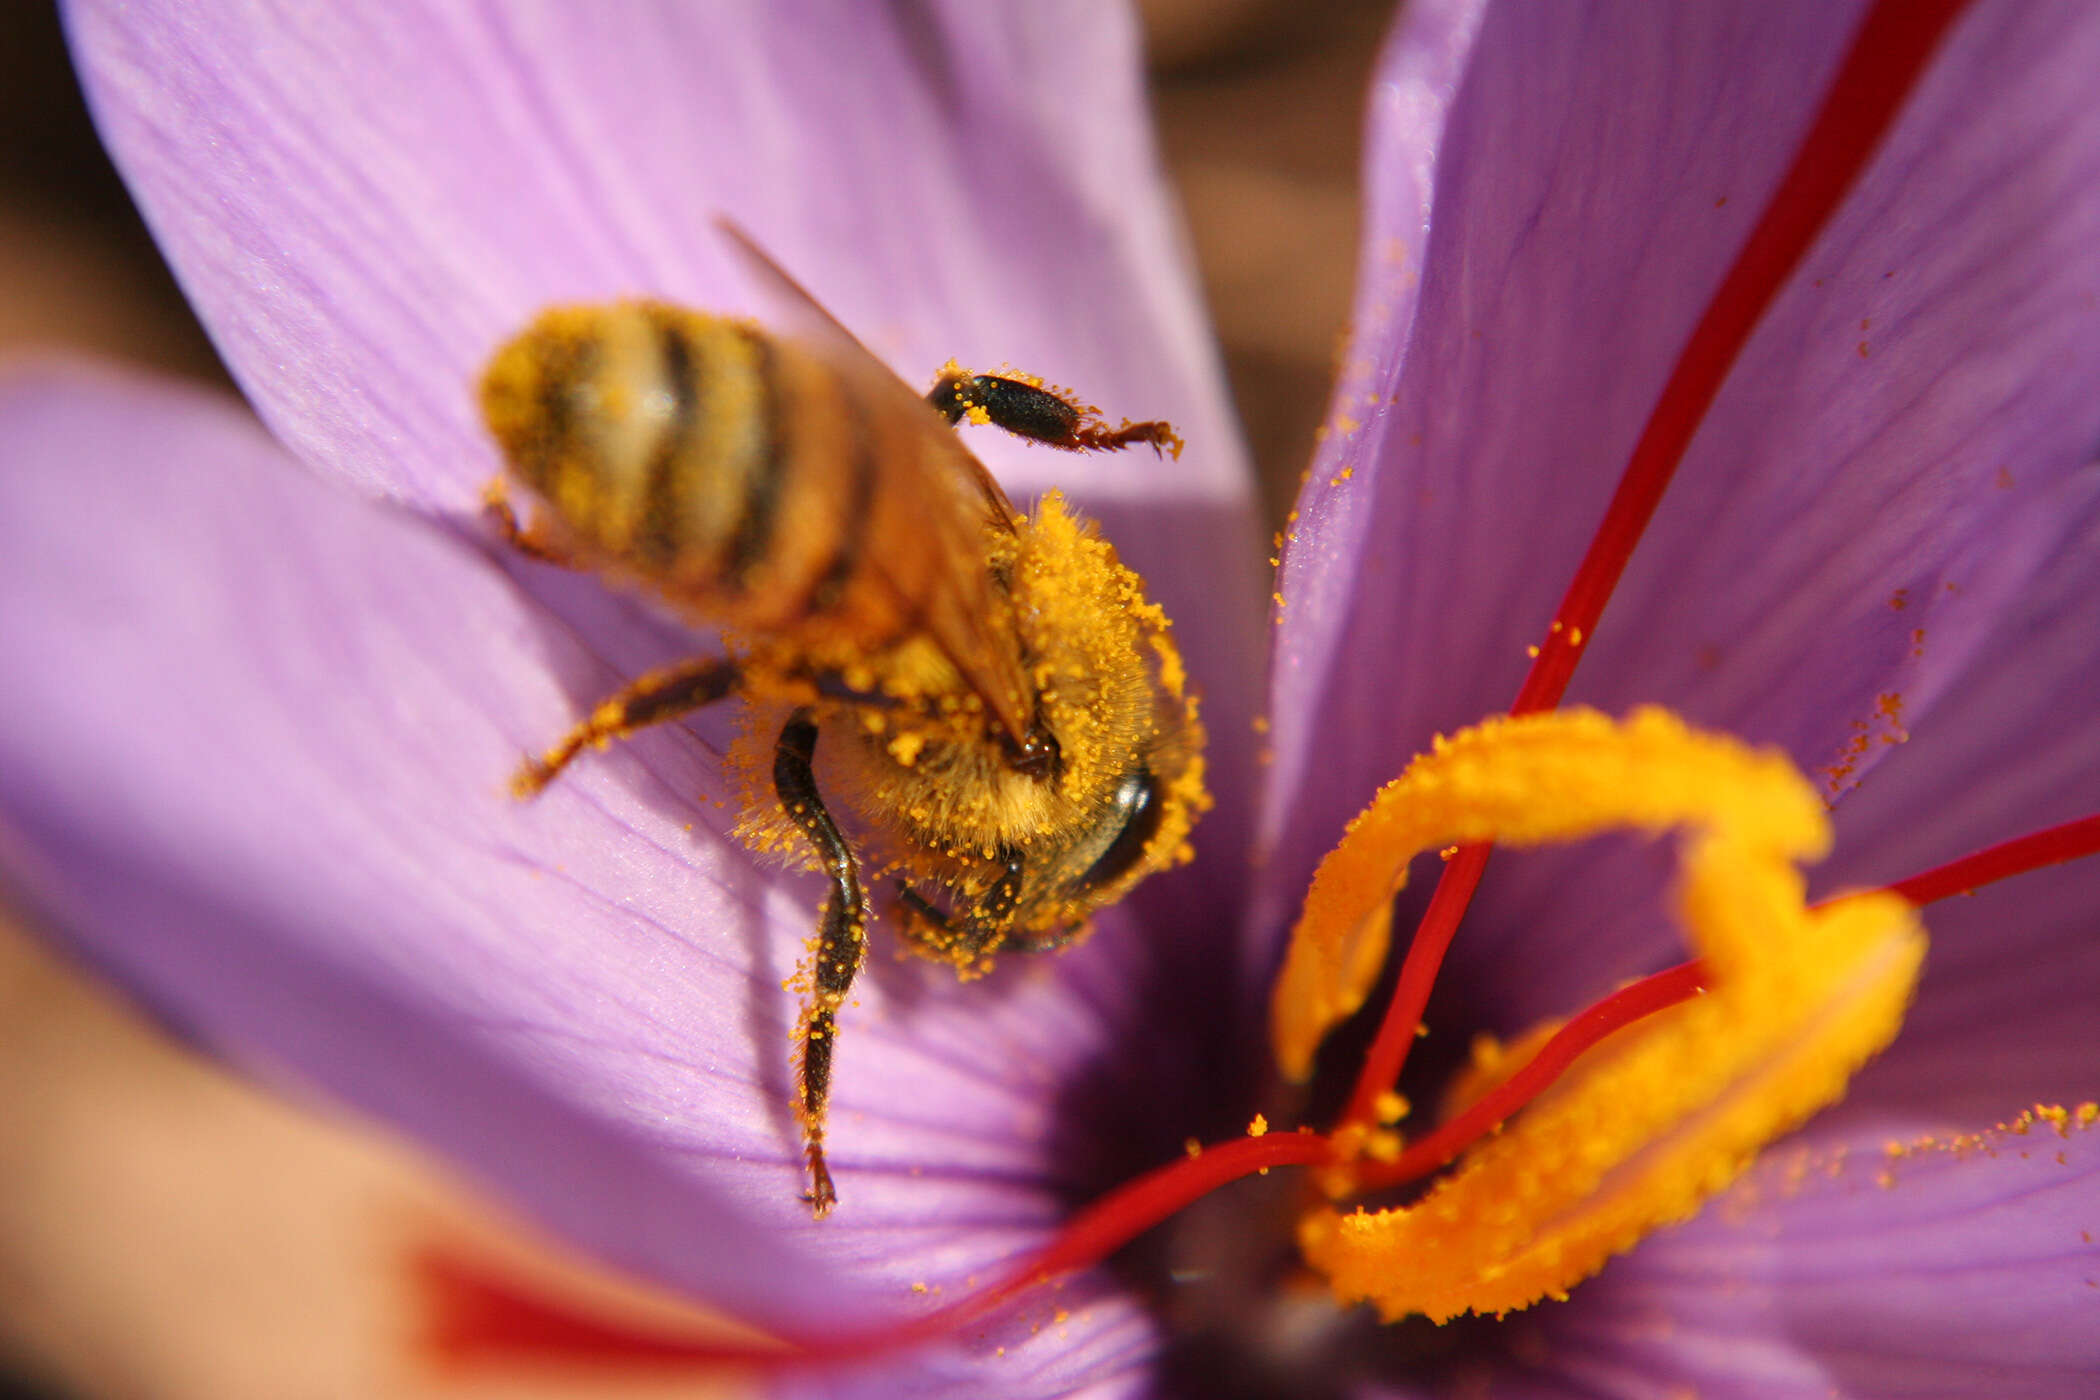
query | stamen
[1888, 55]
[1795, 1001]
[1532, 780]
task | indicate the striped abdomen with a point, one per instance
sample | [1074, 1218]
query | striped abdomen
[789, 489]
[735, 472]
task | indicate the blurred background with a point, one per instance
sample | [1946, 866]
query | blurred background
[76, 266]
[132, 1173]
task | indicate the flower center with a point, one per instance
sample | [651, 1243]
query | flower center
[1694, 1068]
[1846, 959]
[1667, 1111]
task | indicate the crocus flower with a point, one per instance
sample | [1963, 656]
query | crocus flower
[266, 686]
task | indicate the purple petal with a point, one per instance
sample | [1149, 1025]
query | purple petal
[362, 207]
[1563, 206]
[253, 756]
[2003, 1015]
[1594, 175]
[1958, 1271]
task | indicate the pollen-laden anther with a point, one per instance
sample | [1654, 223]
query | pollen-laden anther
[1665, 1112]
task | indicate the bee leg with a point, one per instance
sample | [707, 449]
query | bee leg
[964, 940]
[653, 698]
[533, 540]
[931, 932]
[1044, 415]
[988, 921]
[842, 939]
[1044, 941]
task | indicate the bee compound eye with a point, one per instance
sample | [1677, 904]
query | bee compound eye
[1134, 814]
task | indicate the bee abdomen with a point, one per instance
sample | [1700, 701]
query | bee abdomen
[723, 466]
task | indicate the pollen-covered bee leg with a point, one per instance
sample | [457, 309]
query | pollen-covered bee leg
[927, 926]
[963, 940]
[653, 698]
[1032, 411]
[842, 939]
[530, 538]
[1045, 940]
[987, 922]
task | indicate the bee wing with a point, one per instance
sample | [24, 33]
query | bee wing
[924, 533]
[803, 319]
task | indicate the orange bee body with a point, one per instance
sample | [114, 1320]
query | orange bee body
[979, 703]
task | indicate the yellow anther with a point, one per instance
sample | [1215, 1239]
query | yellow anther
[1664, 1113]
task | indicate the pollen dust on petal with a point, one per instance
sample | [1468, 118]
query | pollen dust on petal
[1883, 728]
[1897, 1154]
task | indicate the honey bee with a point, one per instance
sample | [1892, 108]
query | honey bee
[938, 689]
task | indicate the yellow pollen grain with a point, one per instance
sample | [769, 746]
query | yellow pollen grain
[1390, 1107]
[1193, 1147]
[1664, 1113]
[1259, 1127]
